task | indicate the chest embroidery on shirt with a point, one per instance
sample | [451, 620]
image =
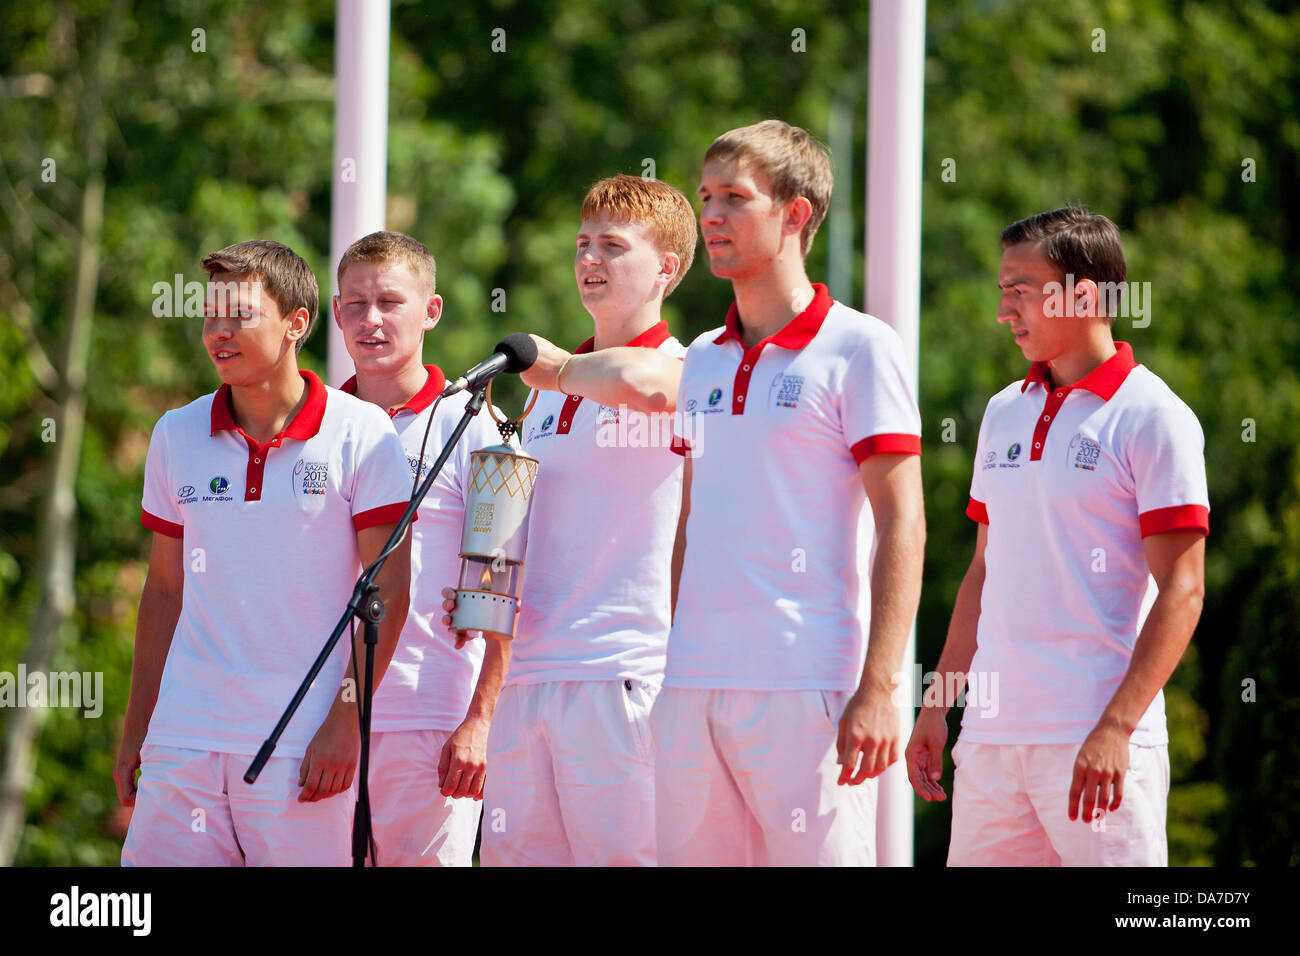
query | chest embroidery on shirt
[419, 466]
[1008, 460]
[310, 477]
[785, 391]
[1084, 453]
[218, 487]
[712, 405]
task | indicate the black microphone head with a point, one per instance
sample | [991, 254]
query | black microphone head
[520, 349]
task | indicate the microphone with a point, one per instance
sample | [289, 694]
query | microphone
[513, 354]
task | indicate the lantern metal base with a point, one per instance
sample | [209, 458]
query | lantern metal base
[486, 611]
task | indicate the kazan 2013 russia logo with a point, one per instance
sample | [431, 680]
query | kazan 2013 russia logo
[1084, 453]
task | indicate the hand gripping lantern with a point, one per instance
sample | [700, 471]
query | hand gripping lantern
[495, 537]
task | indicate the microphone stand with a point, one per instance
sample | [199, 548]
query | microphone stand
[367, 606]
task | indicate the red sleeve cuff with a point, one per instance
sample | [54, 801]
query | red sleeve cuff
[896, 444]
[386, 514]
[1176, 518]
[161, 525]
[681, 447]
[976, 511]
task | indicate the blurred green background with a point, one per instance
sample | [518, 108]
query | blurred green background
[128, 153]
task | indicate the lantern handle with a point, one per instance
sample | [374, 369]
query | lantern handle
[508, 426]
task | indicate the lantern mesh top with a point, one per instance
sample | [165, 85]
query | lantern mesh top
[497, 470]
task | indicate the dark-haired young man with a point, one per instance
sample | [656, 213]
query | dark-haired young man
[265, 498]
[1086, 584]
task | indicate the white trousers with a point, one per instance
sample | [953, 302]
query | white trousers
[413, 824]
[192, 808]
[749, 778]
[570, 776]
[1010, 808]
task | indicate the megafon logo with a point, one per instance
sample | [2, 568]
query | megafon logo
[547, 422]
[219, 485]
[715, 396]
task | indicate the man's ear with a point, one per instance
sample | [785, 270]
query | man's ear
[432, 312]
[1087, 299]
[797, 213]
[669, 265]
[298, 325]
[334, 307]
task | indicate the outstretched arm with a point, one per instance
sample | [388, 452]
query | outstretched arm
[644, 380]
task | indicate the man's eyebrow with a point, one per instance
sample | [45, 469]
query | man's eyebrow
[1019, 280]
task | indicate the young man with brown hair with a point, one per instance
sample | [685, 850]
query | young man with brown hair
[431, 717]
[265, 498]
[771, 729]
[571, 754]
[1087, 579]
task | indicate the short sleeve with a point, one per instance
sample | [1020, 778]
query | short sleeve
[1167, 458]
[158, 510]
[977, 506]
[878, 410]
[382, 481]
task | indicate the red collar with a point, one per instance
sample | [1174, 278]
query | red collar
[1103, 381]
[651, 338]
[431, 389]
[304, 425]
[797, 333]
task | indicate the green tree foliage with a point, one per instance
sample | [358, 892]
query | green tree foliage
[490, 153]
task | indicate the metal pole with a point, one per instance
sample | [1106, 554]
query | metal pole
[360, 175]
[893, 289]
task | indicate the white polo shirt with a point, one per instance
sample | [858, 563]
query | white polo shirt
[1069, 480]
[271, 557]
[596, 592]
[774, 591]
[429, 683]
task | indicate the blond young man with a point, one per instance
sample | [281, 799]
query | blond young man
[771, 727]
[431, 718]
[570, 749]
[265, 498]
[1086, 584]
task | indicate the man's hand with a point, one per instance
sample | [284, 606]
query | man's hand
[331, 758]
[925, 754]
[462, 766]
[1099, 772]
[869, 727]
[128, 762]
[541, 374]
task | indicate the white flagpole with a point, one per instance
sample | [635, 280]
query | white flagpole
[360, 176]
[893, 290]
